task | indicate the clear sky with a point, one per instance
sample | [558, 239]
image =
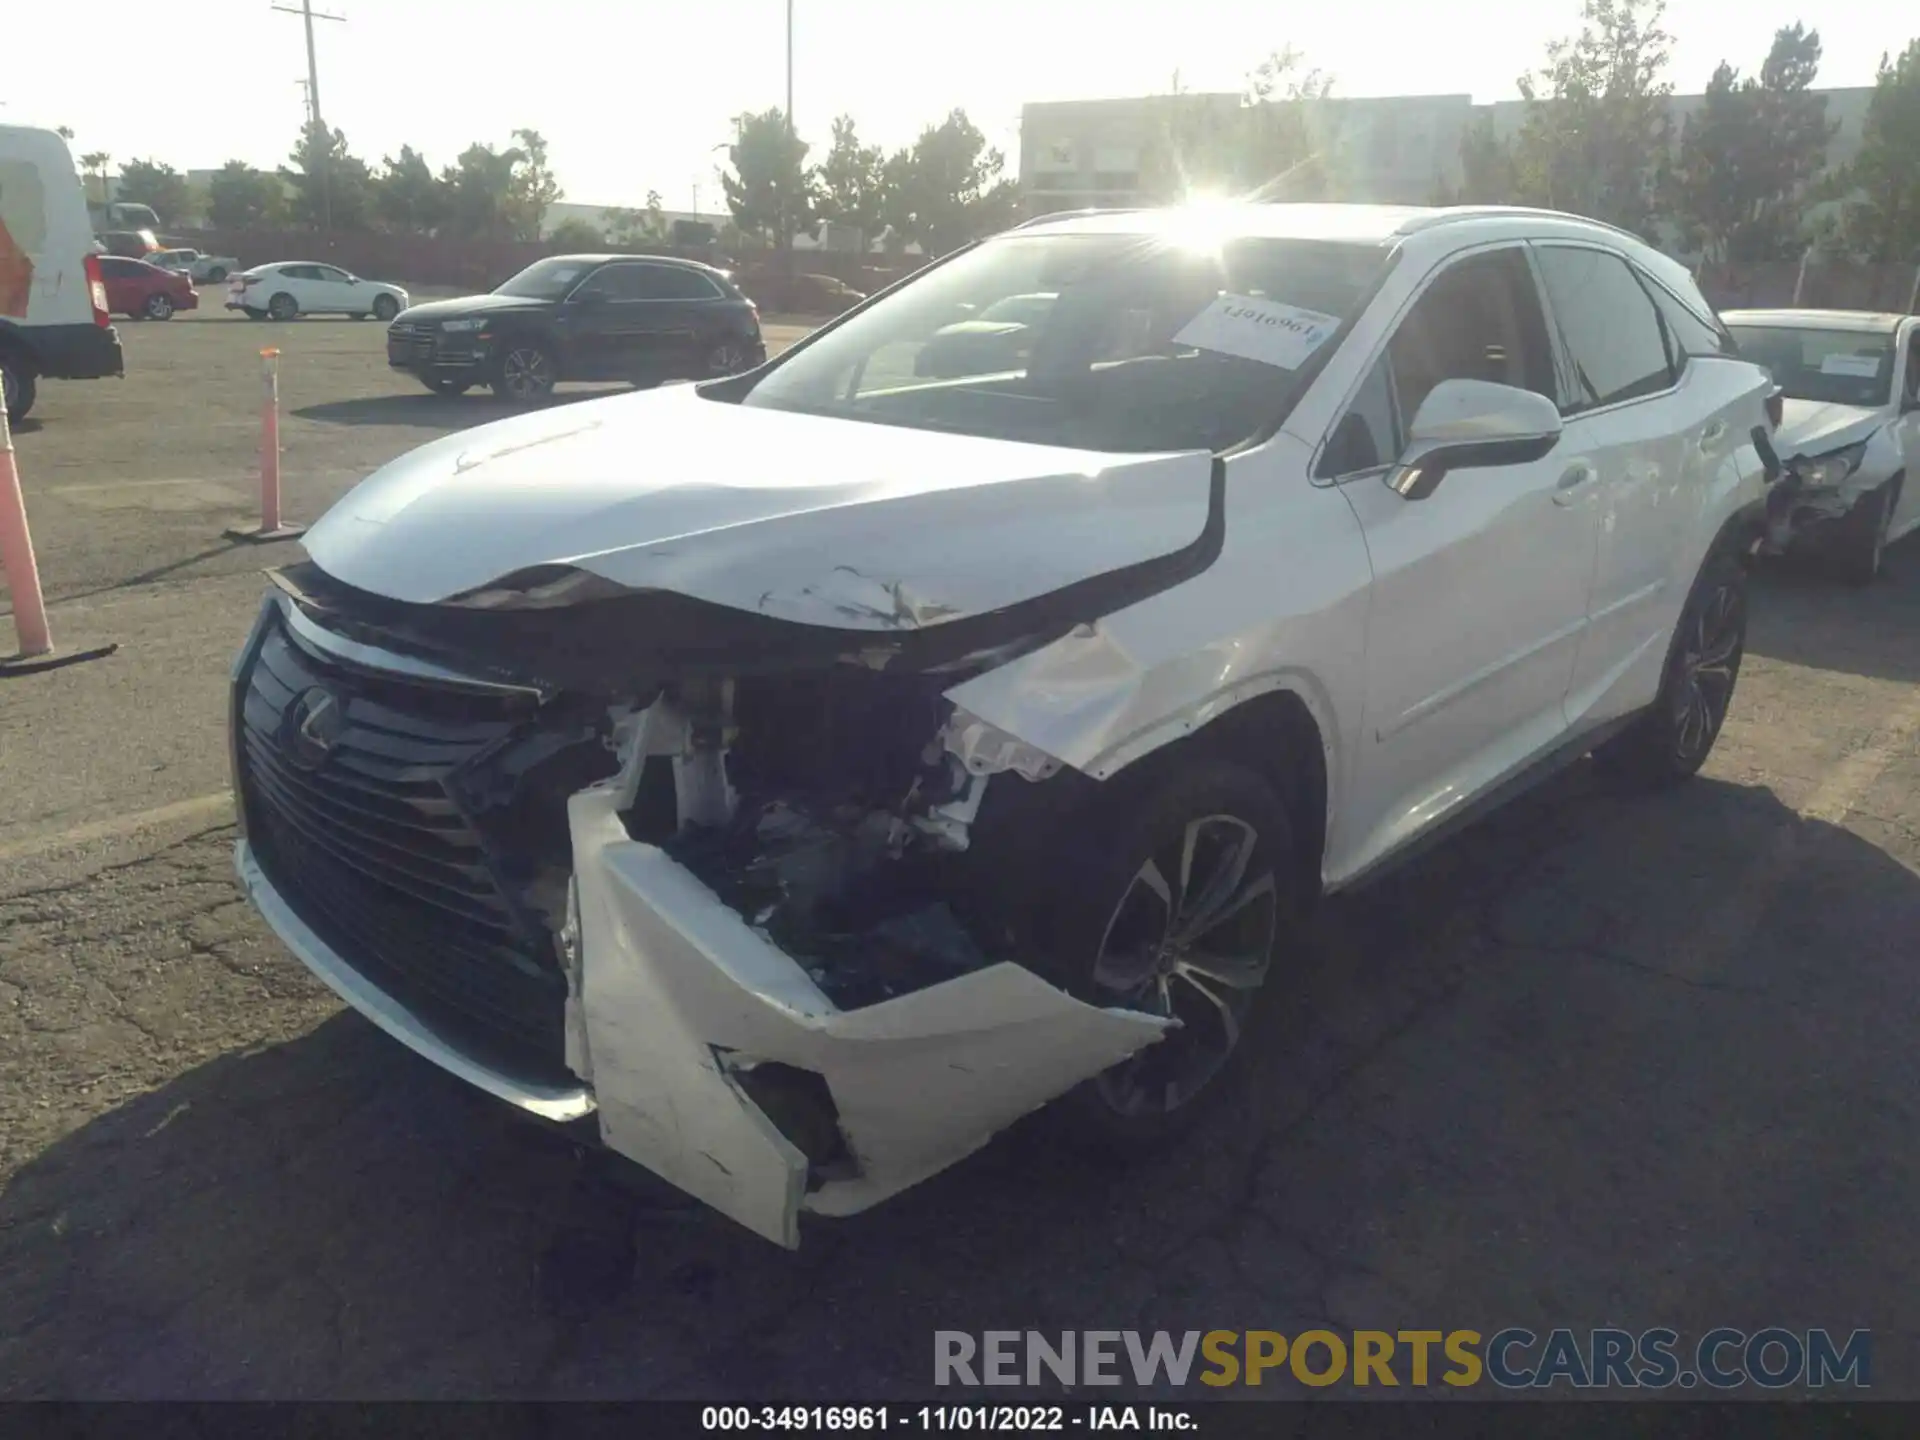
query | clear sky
[634, 94]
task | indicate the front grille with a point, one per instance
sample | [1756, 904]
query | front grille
[409, 344]
[371, 849]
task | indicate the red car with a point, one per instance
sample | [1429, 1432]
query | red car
[145, 292]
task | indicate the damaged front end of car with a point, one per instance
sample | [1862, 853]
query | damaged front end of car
[1820, 494]
[748, 893]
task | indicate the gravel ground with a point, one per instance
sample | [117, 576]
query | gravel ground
[1597, 1061]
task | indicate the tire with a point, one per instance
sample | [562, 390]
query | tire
[442, 386]
[385, 307]
[727, 357]
[1106, 939]
[282, 307]
[158, 307]
[1672, 738]
[1860, 549]
[216, 275]
[18, 386]
[525, 373]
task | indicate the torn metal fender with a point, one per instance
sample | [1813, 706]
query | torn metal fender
[668, 978]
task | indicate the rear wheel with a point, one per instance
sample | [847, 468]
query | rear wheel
[159, 307]
[728, 357]
[17, 386]
[1671, 740]
[525, 373]
[1179, 900]
[216, 274]
[283, 307]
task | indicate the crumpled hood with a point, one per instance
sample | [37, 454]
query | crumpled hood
[1813, 427]
[798, 517]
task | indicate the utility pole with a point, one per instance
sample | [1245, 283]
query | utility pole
[315, 122]
[793, 146]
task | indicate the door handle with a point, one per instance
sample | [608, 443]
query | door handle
[1575, 477]
[1713, 434]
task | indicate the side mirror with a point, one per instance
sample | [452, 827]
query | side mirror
[1471, 423]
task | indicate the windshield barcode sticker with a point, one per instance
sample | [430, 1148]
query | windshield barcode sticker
[1860, 367]
[1263, 330]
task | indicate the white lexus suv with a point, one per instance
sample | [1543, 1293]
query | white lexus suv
[794, 779]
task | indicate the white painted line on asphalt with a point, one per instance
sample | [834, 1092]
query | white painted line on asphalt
[1704, 956]
[220, 803]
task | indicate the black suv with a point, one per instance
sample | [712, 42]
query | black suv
[642, 319]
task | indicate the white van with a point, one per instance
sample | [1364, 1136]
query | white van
[53, 303]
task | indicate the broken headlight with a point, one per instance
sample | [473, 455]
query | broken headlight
[1822, 471]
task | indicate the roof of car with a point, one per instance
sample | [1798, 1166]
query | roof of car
[655, 259]
[1362, 224]
[1869, 320]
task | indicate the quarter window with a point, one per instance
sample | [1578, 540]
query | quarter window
[1368, 435]
[1691, 334]
[1616, 348]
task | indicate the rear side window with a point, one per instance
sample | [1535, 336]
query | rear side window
[1616, 348]
[1690, 333]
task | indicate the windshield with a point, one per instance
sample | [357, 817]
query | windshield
[1834, 367]
[545, 280]
[1125, 343]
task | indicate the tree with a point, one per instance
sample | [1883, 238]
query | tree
[1749, 162]
[479, 190]
[948, 189]
[767, 186]
[849, 185]
[1486, 166]
[240, 197]
[65, 132]
[577, 234]
[331, 185]
[645, 226]
[146, 182]
[533, 189]
[1275, 143]
[1596, 121]
[407, 195]
[1881, 221]
[94, 164]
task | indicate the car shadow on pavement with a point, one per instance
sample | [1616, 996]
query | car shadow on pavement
[434, 412]
[1598, 1060]
[1803, 615]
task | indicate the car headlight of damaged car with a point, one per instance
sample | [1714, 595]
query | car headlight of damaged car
[1832, 468]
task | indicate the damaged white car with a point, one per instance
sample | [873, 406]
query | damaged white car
[1851, 417]
[800, 777]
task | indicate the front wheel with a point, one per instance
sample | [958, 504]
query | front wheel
[1671, 740]
[216, 275]
[17, 388]
[1176, 908]
[159, 307]
[525, 373]
[385, 308]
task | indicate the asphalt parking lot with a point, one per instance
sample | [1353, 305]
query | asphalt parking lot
[1600, 1061]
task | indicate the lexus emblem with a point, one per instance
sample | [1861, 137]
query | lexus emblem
[312, 727]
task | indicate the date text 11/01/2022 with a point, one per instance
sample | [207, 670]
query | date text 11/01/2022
[815, 1419]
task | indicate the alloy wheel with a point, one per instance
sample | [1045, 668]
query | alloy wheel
[727, 358]
[1709, 662]
[159, 307]
[1191, 939]
[526, 373]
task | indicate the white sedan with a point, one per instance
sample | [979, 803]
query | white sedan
[290, 288]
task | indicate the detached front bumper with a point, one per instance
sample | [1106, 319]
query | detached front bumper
[705, 1052]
